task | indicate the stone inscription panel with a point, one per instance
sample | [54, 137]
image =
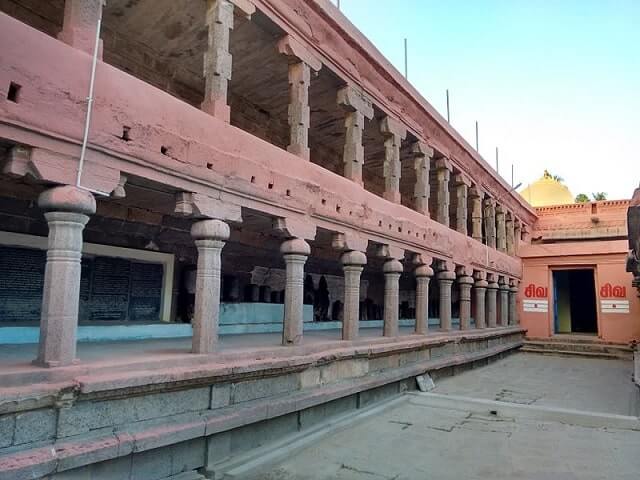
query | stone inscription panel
[111, 289]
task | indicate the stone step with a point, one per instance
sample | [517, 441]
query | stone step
[574, 352]
[581, 339]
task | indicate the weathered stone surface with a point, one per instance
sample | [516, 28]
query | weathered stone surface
[318, 414]
[86, 416]
[220, 395]
[444, 350]
[35, 426]
[151, 465]
[264, 387]
[376, 395]
[7, 427]
[260, 433]
[189, 455]
[218, 448]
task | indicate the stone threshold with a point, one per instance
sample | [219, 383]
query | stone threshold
[92, 448]
[42, 386]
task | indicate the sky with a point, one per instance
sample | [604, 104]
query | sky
[554, 84]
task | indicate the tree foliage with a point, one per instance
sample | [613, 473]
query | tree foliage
[598, 196]
[582, 198]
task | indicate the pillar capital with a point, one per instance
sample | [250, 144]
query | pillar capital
[423, 271]
[347, 241]
[67, 198]
[465, 280]
[446, 276]
[210, 230]
[295, 227]
[460, 179]
[390, 252]
[297, 52]
[80, 23]
[392, 266]
[354, 100]
[443, 163]
[295, 246]
[481, 284]
[353, 257]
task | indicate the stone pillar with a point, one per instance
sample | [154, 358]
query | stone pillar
[475, 195]
[464, 283]
[517, 232]
[357, 108]
[299, 112]
[392, 270]
[254, 291]
[423, 275]
[443, 173]
[503, 321]
[492, 304]
[480, 289]
[445, 280]
[209, 236]
[217, 58]
[422, 154]
[461, 185]
[295, 253]
[393, 132]
[501, 230]
[513, 305]
[301, 62]
[490, 222]
[510, 234]
[353, 263]
[67, 212]
[80, 23]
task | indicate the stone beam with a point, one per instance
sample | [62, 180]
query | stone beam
[198, 205]
[357, 107]
[422, 154]
[349, 241]
[295, 228]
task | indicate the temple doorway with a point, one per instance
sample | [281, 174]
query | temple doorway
[574, 305]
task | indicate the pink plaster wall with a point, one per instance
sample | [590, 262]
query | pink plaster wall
[607, 258]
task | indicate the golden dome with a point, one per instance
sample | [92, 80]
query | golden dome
[547, 191]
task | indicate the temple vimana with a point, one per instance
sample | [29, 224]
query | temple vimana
[225, 221]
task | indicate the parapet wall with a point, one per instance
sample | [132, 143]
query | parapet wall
[180, 422]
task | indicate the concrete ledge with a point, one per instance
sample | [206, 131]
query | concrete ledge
[125, 440]
[504, 409]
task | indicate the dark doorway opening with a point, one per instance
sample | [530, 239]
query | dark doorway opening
[575, 301]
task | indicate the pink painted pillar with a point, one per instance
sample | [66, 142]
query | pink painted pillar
[68, 209]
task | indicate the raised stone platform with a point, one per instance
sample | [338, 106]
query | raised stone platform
[154, 416]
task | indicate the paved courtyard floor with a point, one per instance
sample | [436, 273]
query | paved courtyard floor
[415, 440]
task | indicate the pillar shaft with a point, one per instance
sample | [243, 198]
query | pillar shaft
[423, 276]
[443, 174]
[80, 23]
[476, 217]
[392, 272]
[299, 113]
[501, 230]
[445, 281]
[353, 263]
[357, 108]
[217, 59]
[69, 209]
[465, 283]
[422, 165]
[510, 233]
[492, 304]
[513, 306]
[209, 237]
[295, 253]
[461, 192]
[503, 294]
[490, 222]
[393, 132]
[480, 290]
